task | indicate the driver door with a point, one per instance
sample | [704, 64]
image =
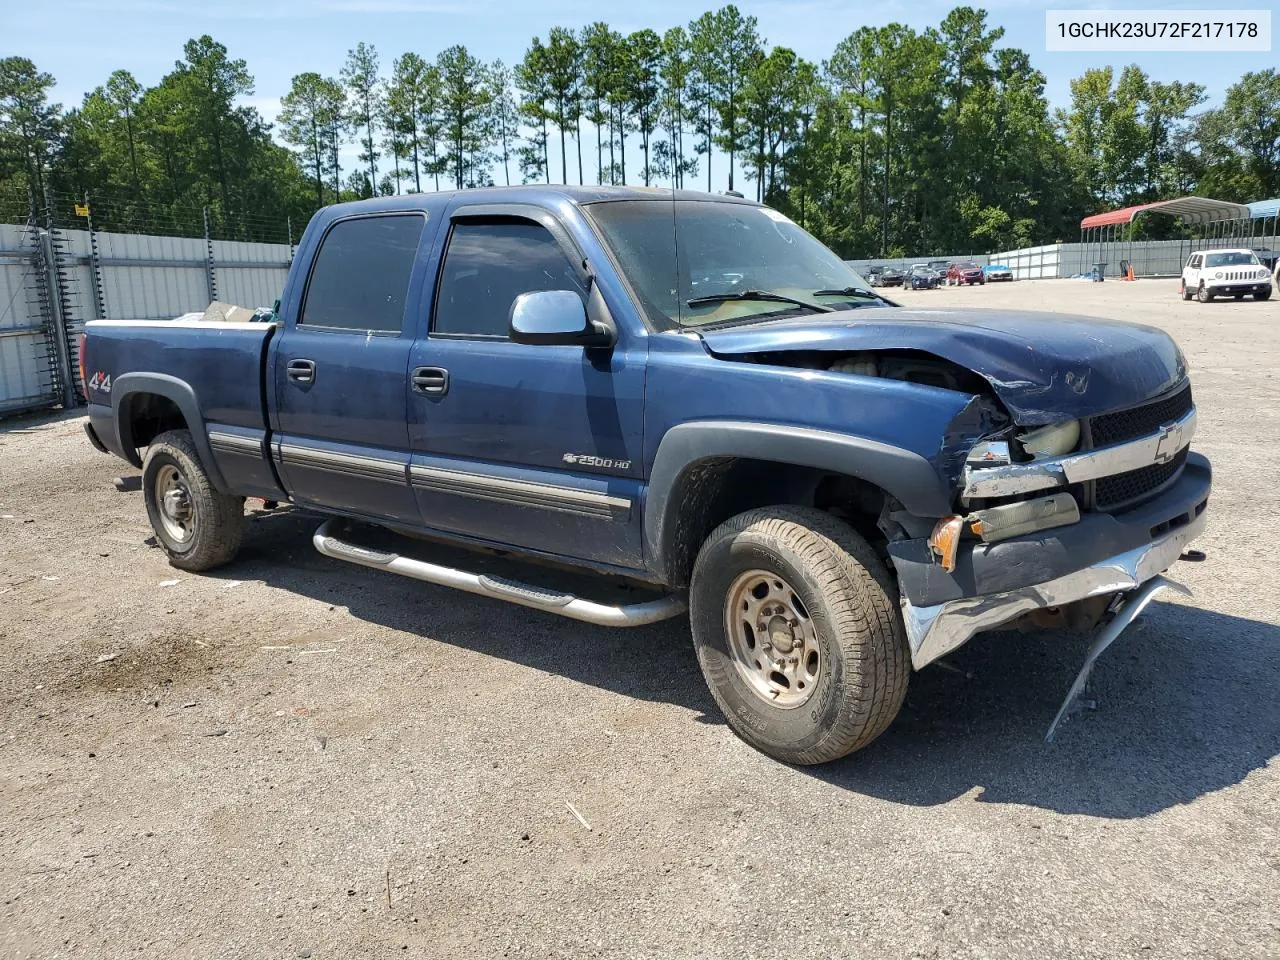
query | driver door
[534, 445]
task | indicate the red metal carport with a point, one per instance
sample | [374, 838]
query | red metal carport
[1112, 232]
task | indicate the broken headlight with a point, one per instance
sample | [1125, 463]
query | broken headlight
[1051, 441]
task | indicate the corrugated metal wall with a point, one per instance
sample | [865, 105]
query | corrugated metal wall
[250, 274]
[24, 350]
[137, 277]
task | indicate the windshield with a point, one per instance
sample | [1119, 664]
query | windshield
[1235, 258]
[724, 257]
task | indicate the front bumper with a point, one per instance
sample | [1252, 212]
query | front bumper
[995, 583]
[1236, 289]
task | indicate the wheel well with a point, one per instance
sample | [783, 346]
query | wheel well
[146, 416]
[711, 491]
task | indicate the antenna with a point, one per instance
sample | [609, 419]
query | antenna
[675, 248]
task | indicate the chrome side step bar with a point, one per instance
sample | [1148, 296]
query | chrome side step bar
[499, 588]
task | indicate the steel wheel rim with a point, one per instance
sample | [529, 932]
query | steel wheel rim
[173, 505]
[772, 640]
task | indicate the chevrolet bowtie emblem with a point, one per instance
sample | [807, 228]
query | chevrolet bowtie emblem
[1170, 442]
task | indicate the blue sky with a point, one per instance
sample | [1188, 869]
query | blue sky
[81, 41]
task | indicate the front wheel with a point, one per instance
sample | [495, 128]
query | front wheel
[198, 527]
[798, 634]
[1203, 294]
[1263, 294]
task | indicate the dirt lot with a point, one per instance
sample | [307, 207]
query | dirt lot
[296, 757]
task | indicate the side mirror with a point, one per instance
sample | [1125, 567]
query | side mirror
[556, 317]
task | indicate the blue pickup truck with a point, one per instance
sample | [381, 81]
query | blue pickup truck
[690, 392]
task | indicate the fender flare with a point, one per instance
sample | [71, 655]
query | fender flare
[904, 475]
[183, 396]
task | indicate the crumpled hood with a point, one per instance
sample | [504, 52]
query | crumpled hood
[1044, 367]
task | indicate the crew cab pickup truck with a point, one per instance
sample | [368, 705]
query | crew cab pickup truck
[689, 392]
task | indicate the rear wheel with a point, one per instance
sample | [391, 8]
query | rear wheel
[1203, 294]
[198, 527]
[1183, 289]
[798, 634]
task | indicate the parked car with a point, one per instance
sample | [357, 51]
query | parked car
[940, 267]
[1224, 273]
[873, 275]
[892, 277]
[922, 277]
[997, 272]
[966, 272]
[838, 490]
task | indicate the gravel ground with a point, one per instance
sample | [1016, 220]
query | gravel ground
[295, 757]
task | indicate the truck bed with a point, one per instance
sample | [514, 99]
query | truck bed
[226, 415]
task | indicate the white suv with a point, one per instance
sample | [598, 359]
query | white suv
[1224, 273]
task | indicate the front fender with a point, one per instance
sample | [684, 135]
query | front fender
[128, 385]
[904, 475]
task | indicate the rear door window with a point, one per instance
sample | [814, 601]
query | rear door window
[360, 278]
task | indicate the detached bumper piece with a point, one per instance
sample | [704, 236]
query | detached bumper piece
[1133, 605]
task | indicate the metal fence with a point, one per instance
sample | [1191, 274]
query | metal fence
[55, 277]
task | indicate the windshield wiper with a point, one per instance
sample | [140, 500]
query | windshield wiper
[856, 293]
[763, 295]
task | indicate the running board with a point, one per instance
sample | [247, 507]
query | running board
[499, 588]
[1133, 605]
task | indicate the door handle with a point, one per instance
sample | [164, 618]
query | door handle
[302, 371]
[433, 381]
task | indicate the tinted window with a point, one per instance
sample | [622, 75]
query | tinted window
[1234, 258]
[488, 265]
[361, 275]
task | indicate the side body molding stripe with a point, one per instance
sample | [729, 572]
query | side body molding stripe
[521, 492]
[352, 464]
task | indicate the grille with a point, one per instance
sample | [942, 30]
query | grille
[1111, 428]
[1124, 488]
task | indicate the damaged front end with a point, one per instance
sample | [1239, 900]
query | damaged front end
[1067, 525]
[1073, 484]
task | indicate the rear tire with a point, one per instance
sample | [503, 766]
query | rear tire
[196, 526]
[798, 634]
[1186, 293]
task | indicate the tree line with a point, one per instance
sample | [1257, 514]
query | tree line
[904, 139]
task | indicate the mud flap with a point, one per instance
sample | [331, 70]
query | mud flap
[1133, 605]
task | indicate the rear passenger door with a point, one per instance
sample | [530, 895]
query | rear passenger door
[537, 446]
[339, 370]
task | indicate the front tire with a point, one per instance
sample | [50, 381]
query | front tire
[1263, 294]
[1203, 294]
[196, 526]
[798, 634]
